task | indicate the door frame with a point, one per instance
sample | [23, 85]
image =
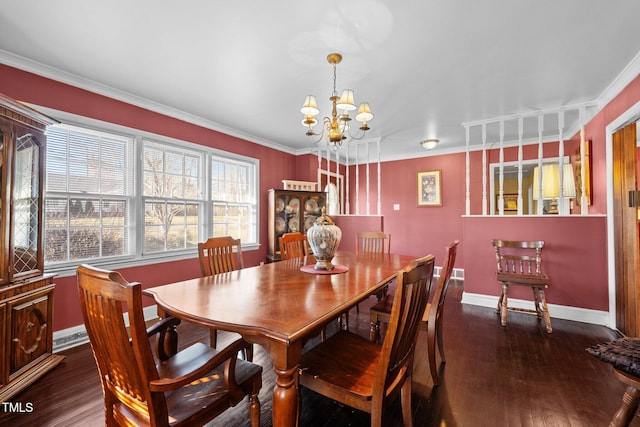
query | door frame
[630, 116]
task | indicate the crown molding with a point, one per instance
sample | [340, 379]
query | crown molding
[61, 76]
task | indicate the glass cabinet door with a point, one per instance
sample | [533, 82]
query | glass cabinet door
[5, 134]
[26, 205]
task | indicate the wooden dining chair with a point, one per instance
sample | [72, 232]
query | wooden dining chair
[373, 242]
[432, 317]
[177, 388]
[356, 372]
[520, 263]
[220, 255]
[293, 245]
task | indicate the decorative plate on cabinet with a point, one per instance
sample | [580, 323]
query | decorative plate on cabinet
[279, 205]
[293, 225]
[294, 206]
[311, 206]
[308, 222]
[280, 225]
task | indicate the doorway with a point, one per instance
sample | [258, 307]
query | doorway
[622, 224]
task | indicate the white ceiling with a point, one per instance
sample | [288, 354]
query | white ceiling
[245, 66]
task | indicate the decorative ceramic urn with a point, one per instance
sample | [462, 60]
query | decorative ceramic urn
[324, 238]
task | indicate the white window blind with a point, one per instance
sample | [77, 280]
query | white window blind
[89, 182]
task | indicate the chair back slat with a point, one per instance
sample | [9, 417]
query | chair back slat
[220, 255]
[410, 300]
[293, 245]
[373, 242]
[518, 257]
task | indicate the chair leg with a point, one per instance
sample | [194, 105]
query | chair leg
[254, 409]
[627, 409]
[431, 353]
[405, 400]
[440, 340]
[213, 337]
[545, 311]
[504, 304]
[374, 330]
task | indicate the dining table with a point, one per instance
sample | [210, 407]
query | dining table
[280, 305]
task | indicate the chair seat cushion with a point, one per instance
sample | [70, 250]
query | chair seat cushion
[622, 353]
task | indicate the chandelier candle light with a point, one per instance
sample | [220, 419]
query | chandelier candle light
[336, 126]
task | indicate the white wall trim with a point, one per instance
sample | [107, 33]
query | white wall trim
[576, 314]
[77, 335]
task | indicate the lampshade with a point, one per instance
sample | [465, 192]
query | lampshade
[364, 113]
[346, 101]
[551, 181]
[310, 106]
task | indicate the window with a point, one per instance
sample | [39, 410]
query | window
[106, 204]
[233, 199]
[172, 197]
[89, 182]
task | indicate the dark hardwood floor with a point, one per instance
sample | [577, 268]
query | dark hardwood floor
[494, 376]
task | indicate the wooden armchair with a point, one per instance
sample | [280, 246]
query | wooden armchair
[293, 245]
[190, 387]
[432, 317]
[359, 373]
[520, 263]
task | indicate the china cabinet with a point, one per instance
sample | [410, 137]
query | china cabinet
[291, 211]
[26, 294]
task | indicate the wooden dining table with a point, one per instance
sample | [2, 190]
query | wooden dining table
[279, 306]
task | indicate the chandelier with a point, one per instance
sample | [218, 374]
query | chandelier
[337, 126]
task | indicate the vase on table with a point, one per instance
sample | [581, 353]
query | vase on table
[324, 238]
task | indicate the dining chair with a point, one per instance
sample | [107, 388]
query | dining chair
[373, 242]
[520, 263]
[293, 245]
[356, 372]
[221, 255]
[177, 388]
[432, 316]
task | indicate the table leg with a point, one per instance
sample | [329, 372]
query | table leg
[285, 398]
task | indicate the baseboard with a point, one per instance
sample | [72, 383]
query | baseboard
[577, 314]
[77, 335]
[457, 273]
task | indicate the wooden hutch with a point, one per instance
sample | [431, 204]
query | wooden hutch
[26, 294]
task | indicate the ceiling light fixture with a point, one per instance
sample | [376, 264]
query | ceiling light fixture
[337, 126]
[429, 144]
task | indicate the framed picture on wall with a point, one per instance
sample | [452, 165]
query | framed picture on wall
[429, 188]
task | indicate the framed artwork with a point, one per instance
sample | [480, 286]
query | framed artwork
[429, 188]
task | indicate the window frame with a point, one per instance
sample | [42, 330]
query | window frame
[137, 257]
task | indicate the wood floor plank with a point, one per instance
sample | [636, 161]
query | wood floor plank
[513, 376]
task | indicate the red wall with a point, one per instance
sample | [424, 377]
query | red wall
[275, 166]
[574, 256]
[415, 231]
